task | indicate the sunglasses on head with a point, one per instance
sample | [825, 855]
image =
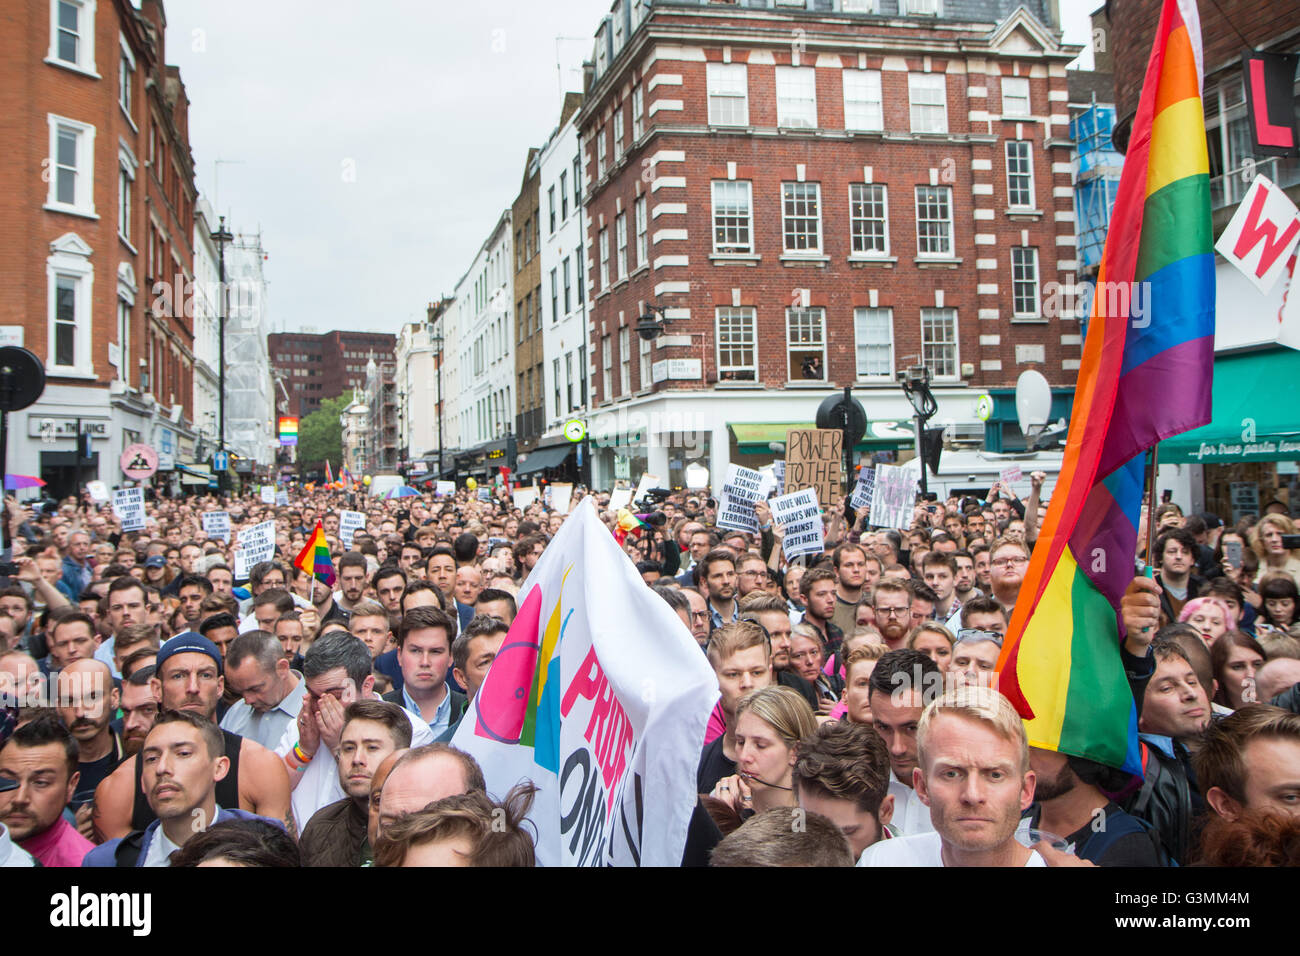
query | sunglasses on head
[971, 635]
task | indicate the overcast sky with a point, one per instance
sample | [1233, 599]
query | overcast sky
[374, 144]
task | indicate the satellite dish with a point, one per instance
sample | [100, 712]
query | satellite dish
[1033, 402]
[22, 378]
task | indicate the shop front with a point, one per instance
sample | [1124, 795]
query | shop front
[1248, 454]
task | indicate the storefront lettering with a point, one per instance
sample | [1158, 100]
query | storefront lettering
[1246, 450]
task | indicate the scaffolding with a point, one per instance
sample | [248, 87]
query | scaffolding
[1096, 179]
[250, 400]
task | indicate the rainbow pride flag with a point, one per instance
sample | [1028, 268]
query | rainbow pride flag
[329, 474]
[314, 558]
[1145, 376]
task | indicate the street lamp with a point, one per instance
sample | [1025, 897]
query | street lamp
[915, 381]
[436, 338]
[653, 324]
[221, 237]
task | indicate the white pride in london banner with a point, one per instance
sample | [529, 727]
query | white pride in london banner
[600, 697]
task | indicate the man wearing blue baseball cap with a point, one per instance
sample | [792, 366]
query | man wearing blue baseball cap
[188, 677]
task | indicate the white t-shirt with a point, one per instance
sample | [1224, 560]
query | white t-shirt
[921, 849]
[319, 786]
[910, 814]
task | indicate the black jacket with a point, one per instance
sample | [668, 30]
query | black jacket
[457, 701]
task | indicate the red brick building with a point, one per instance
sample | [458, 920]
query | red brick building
[317, 365]
[97, 206]
[817, 198]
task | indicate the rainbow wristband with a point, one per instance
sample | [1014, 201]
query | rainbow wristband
[300, 754]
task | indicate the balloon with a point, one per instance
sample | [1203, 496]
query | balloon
[471, 484]
[366, 481]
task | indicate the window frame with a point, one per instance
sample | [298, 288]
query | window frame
[1028, 109]
[807, 76]
[638, 112]
[1027, 173]
[748, 226]
[925, 83]
[860, 315]
[787, 218]
[602, 239]
[855, 219]
[602, 156]
[732, 315]
[620, 245]
[70, 260]
[950, 252]
[867, 76]
[624, 361]
[85, 59]
[955, 344]
[792, 312]
[83, 203]
[1017, 283]
[642, 231]
[715, 71]
[126, 68]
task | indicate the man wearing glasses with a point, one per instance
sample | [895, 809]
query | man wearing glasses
[892, 606]
[1007, 565]
[699, 614]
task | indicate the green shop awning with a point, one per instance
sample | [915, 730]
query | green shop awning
[755, 439]
[1256, 413]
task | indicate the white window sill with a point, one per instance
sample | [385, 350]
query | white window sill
[55, 371]
[815, 258]
[735, 385]
[874, 260]
[127, 117]
[73, 67]
[744, 258]
[807, 383]
[1028, 320]
[878, 380]
[1024, 213]
[933, 133]
[127, 242]
[865, 132]
[71, 210]
[938, 262]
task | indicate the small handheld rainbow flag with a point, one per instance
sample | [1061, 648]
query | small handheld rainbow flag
[314, 558]
[329, 474]
[627, 523]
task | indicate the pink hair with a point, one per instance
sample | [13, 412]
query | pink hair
[1195, 604]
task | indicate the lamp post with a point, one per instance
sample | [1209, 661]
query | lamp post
[435, 338]
[916, 386]
[221, 237]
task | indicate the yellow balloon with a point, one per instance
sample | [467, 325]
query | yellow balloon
[471, 484]
[366, 481]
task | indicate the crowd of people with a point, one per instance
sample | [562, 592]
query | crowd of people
[159, 711]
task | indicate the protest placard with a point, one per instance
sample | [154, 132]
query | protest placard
[128, 505]
[98, 491]
[741, 489]
[778, 476]
[282, 498]
[216, 524]
[893, 497]
[257, 544]
[619, 498]
[801, 520]
[523, 497]
[442, 489]
[350, 522]
[1011, 474]
[268, 494]
[561, 497]
[863, 490]
[814, 458]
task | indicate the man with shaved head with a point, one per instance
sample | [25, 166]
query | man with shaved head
[426, 774]
[87, 702]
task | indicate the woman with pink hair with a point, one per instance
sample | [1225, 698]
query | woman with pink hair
[1210, 616]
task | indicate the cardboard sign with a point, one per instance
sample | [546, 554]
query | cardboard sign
[741, 490]
[893, 497]
[268, 494]
[801, 519]
[814, 458]
[349, 523]
[523, 497]
[864, 489]
[778, 476]
[128, 505]
[619, 498]
[216, 524]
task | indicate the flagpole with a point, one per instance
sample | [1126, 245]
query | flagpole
[1151, 508]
